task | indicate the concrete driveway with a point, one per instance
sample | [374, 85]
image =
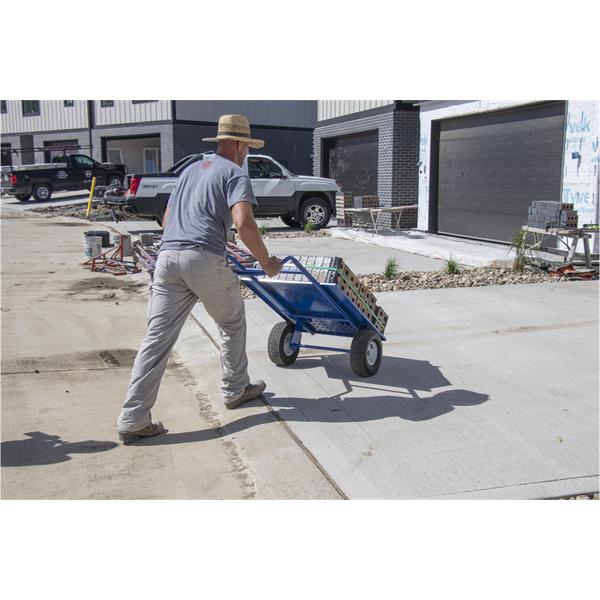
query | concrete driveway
[483, 393]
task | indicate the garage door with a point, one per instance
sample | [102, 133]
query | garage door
[492, 166]
[352, 161]
[58, 147]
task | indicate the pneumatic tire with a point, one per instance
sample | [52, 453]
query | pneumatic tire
[315, 210]
[42, 192]
[279, 349]
[366, 353]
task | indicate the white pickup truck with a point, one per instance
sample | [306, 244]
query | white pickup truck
[296, 199]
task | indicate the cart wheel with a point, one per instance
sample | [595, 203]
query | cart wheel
[365, 353]
[279, 344]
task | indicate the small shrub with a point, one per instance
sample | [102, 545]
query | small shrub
[523, 253]
[309, 227]
[391, 268]
[264, 229]
[452, 266]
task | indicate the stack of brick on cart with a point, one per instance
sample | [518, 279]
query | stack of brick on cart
[546, 214]
[329, 270]
[343, 220]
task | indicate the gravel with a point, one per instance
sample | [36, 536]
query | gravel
[427, 280]
[99, 212]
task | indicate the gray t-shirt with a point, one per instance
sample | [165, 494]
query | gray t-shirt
[200, 205]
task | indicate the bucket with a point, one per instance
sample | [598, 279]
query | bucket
[92, 246]
[125, 239]
[103, 234]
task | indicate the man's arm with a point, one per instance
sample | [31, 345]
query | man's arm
[244, 222]
[164, 221]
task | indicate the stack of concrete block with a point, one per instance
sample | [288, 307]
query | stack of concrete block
[343, 220]
[546, 214]
[366, 201]
[370, 202]
[361, 296]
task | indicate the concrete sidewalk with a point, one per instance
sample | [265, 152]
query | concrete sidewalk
[483, 393]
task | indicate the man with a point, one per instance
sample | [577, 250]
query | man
[210, 196]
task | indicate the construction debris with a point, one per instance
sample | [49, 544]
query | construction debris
[113, 261]
[572, 272]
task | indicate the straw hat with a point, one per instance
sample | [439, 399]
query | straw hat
[235, 127]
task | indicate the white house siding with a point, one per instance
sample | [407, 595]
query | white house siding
[580, 180]
[54, 116]
[125, 111]
[280, 113]
[330, 109]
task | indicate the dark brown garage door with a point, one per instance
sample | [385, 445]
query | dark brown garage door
[491, 167]
[352, 161]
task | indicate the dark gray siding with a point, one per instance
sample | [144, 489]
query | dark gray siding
[278, 113]
[291, 147]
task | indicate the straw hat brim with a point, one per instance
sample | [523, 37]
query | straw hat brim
[253, 143]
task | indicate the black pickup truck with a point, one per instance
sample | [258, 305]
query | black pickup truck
[64, 173]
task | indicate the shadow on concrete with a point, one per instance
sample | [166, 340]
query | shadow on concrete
[44, 449]
[393, 395]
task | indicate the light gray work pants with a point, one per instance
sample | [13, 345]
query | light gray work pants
[181, 278]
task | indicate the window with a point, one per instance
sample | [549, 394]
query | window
[151, 160]
[83, 162]
[142, 101]
[3, 106]
[107, 103]
[69, 103]
[31, 108]
[259, 168]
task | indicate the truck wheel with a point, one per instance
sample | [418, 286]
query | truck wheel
[23, 197]
[279, 344]
[365, 353]
[290, 221]
[114, 180]
[316, 211]
[42, 191]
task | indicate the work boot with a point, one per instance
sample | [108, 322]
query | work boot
[252, 391]
[128, 437]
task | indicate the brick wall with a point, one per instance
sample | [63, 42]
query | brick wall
[291, 147]
[398, 154]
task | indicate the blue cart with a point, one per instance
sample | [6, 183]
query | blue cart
[310, 306]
